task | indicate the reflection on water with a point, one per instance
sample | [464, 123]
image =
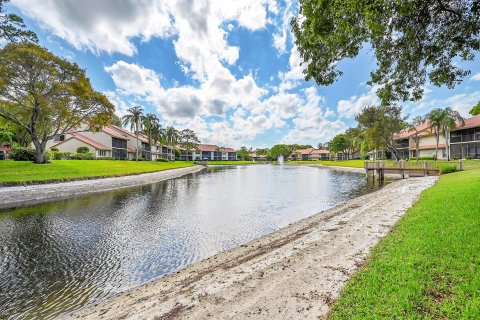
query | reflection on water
[56, 257]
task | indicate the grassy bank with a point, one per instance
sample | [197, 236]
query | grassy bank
[429, 265]
[340, 163]
[15, 172]
[238, 162]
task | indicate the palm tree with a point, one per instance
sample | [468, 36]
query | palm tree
[134, 119]
[451, 119]
[148, 121]
[171, 136]
[413, 125]
[443, 120]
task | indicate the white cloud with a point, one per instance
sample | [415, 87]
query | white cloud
[100, 25]
[280, 38]
[310, 123]
[476, 77]
[355, 104]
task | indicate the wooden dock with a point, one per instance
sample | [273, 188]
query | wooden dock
[421, 169]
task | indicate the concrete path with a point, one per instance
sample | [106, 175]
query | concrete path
[11, 197]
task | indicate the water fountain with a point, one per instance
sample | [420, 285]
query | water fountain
[280, 160]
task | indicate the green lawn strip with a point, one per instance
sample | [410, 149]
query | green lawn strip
[231, 162]
[340, 163]
[18, 172]
[428, 267]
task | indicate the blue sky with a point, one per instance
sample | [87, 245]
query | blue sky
[226, 69]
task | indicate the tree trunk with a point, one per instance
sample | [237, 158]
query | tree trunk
[437, 138]
[40, 151]
[136, 158]
[417, 143]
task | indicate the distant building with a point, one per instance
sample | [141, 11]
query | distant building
[209, 152]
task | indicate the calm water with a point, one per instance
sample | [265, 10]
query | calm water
[54, 258]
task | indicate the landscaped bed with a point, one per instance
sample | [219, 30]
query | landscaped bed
[429, 265]
[17, 172]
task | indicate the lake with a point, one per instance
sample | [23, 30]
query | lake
[56, 257]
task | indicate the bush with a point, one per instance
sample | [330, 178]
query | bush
[468, 158]
[83, 150]
[426, 158]
[162, 160]
[62, 155]
[83, 156]
[105, 158]
[22, 154]
[54, 149]
[48, 155]
[448, 168]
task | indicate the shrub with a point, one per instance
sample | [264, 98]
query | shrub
[54, 149]
[105, 158]
[83, 156]
[22, 154]
[162, 160]
[426, 158]
[83, 150]
[62, 155]
[447, 168]
[48, 155]
[468, 158]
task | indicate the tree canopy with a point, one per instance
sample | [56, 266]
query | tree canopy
[12, 27]
[279, 150]
[379, 124]
[46, 95]
[411, 40]
[475, 110]
[188, 139]
[338, 143]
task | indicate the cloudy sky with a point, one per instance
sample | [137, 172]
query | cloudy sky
[227, 69]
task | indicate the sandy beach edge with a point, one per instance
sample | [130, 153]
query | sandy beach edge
[295, 272]
[17, 196]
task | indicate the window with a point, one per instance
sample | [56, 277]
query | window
[59, 137]
[102, 153]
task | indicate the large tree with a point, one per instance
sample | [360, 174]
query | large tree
[12, 28]
[411, 40]
[188, 140]
[134, 118]
[338, 143]
[47, 96]
[279, 150]
[379, 124]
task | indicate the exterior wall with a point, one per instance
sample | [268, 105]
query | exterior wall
[72, 146]
[100, 137]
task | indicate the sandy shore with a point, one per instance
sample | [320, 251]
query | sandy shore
[11, 197]
[295, 273]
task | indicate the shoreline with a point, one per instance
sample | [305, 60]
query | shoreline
[295, 272]
[47, 192]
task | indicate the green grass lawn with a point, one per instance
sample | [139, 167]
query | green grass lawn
[428, 267]
[15, 172]
[340, 163]
[234, 162]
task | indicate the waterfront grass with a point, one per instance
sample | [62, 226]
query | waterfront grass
[340, 163]
[231, 162]
[20, 172]
[428, 267]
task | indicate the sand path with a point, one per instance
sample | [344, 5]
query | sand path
[294, 273]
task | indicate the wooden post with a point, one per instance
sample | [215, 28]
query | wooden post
[460, 165]
[425, 166]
